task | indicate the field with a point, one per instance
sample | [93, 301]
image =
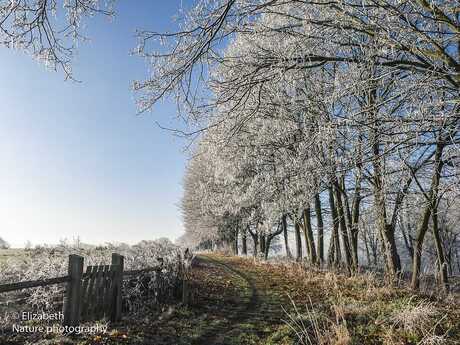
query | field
[153, 275]
[9, 253]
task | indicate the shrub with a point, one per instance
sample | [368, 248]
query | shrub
[48, 262]
[4, 244]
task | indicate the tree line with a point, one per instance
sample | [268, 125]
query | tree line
[337, 119]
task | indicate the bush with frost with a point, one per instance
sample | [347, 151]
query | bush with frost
[52, 261]
[4, 244]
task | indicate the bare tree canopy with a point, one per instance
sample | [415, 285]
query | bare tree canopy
[48, 29]
[352, 107]
[418, 37]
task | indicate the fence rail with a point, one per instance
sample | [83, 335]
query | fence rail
[33, 284]
[92, 294]
[64, 279]
[145, 270]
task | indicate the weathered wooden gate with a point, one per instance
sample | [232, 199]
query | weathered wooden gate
[95, 294]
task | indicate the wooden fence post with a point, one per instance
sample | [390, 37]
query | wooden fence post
[117, 260]
[185, 292]
[72, 305]
[186, 288]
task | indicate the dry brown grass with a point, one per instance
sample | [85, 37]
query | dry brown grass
[359, 309]
[417, 318]
[313, 328]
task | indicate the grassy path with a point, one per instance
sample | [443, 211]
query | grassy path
[243, 314]
[232, 304]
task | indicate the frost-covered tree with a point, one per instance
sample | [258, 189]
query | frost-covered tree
[4, 244]
[353, 105]
[48, 30]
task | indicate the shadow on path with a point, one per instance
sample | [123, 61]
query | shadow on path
[252, 312]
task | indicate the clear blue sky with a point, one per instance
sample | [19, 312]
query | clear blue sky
[75, 159]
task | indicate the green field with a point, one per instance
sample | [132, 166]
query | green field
[8, 253]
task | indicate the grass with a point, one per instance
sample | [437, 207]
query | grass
[5, 254]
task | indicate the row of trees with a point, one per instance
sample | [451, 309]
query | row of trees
[338, 118]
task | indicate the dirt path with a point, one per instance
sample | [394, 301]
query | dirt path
[246, 311]
[233, 303]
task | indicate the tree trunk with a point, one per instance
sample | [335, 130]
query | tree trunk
[375, 256]
[407, 238]
[331, 251]
[392, 261]
[368, 253]
[298, 241]
[355, 220]
[308, 233]
[431, 205]
[262, 243]
[346, 204]
[449, 261]
[457, 256]
[442, 265]
[286, 238]
[320, 226]
[244, 245]
[235, 249]
[255, 241]
[270, 237]
[416, 261]
[335, 246]
[343, 226]
[267, 247]
[352, 219]
[355, 207]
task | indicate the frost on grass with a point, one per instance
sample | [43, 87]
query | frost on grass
[49, 262]
[312, 327]
[420, 320]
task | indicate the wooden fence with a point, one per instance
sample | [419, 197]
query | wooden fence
[93, 294]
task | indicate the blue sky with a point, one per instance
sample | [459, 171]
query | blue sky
[75, 159]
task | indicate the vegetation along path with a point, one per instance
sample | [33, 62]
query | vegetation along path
[240, 301]
[231, 303]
